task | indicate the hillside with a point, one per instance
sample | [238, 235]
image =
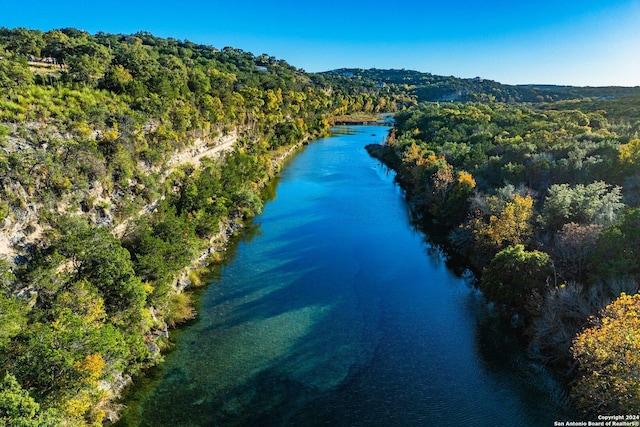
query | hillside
[429, 87]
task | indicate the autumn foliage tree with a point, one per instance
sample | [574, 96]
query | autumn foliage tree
[455, 206]
[504, 223]
[512, 225]
[608, 355]
[629, 155]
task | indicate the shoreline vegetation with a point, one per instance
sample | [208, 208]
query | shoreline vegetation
[542, 206]
[123, 156]
[356, 119]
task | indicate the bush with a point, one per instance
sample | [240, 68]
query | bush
[180, 309]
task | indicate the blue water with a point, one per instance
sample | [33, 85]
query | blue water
[338, 312]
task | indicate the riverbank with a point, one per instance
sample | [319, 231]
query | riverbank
[548, 264]
[356, 119]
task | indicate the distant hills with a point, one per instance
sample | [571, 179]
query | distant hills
[431, 87]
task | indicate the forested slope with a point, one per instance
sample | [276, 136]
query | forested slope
[544, 205]
[122, 157]
[427, 87]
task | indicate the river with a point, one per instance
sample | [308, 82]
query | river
[334, 310]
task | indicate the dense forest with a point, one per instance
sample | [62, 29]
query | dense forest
[122, 159]
[543, 203]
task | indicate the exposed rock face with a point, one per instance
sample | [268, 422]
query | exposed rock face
[113, 388]
[19, 232]
[21, 229]
[153, 348]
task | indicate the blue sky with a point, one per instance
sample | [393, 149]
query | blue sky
[586, 43]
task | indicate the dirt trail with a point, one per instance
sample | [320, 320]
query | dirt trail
[193, 155]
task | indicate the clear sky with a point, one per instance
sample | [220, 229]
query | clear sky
[584, 43]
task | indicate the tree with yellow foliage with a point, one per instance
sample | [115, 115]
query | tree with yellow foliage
[453, 205]
[629, 153]
[608, 355]
[512, 226]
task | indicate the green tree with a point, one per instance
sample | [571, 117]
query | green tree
[19, 409]
[617, 249]
[24, 42]
[14, 72]
[87, 63]
[100, 259]
[596, 203]
[514, 273]
[13, 318]
[58, 44]
[117, 79]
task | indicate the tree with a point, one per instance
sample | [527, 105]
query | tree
[618, 248]
[199, 82]
[58, 44]
[13, 318]
[561, 313]
[19, 409]
[455, 208]
[629, 154]
[88, 62]
[14, 72]
[117, 79]
[25, 42]
[512, 226]
[442, 181]
[595, 203]
[286, 133]
[608, 355]
[100, 259]
[13, 313]
[514, 273]
[573, 245]
[137, 59]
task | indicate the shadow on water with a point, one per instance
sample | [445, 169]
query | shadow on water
[538, 389]
[339, 314]
[343, 130]
[293, 262]
[270, 396]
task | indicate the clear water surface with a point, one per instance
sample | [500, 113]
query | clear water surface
[335, 311]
